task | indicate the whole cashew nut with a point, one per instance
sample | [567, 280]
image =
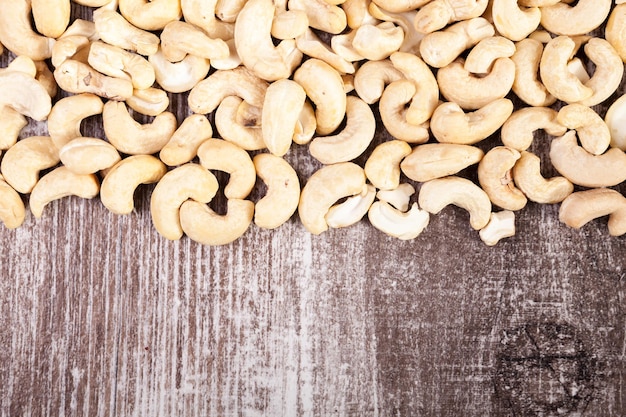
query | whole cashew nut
[17, 34]
[482, 56]
[382, 168]
[282, 106]
[203, 225]
[376, 42]
[181, 76]
[150, 14]
[327, 185]
[85, 155]
[527, 85]
[24, 94]
[322, 15]
[393, 112]
[64, 121]
[608, 73]
[495, 175]
[436, 160]
[395, 223]
[582, 207]
[184, 143]
[584, 17]
[247, 134]
[115, 30]
[528, 178]
[593, 133]
[12, 210]
[178, 39]
[22, 163]
[437, 14]
[51, 17]
[518, 131]
[119, 63]
[372, 77]
[77, 77]
[121, 181]
[513, 22]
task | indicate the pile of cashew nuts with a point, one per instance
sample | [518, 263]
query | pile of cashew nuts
[269, 75]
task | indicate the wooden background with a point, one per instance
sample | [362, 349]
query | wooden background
[103, 317]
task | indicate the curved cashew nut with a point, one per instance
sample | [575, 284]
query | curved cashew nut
[528, 178]
[247, 135]
[513, 22]
[77, 77]
[439, 49]
[471, 92]
[556, 77]
[132, 137]
[17, 34]
[121, 181]
[584, 17]
[324, 86]
[450, 124]
[582, 207]
[518, 131]
[70, 47]
[179, 77]
[615, 32]
[500, 226]
[482, 56]
[85, 155]
[436, 194]
[585, 169]
[254, 43]
[22, 162]
[352, 141]
[46, 78]
[217, 154]
[342, 46]
[289, 24]
[382, 168]
[412, 38]
[372, 77]
[150, 101]
[115, 30]
[51, 17]
[323, 189]
[322, 15]
[59, 183]
[228, 10]
[24, 94]
[206, 96]
[282, 106]
[119, 63]
[593, 133]
[11, 125]
[201, 224]
[67, 115]
[376, 42]
[357, 13]
[184, 143]
[311, 45]
[150, 14]
[12, 210]
[527, 85]
[426, 98]
[201, 13]
[392, 107]
[615, 120]
[395, 223]
[189, 181]
[352, 210]
[608, 73]
[436, 160]
[178, 39]
[306, 125]
[496, 178]
[437, 14]
[283, 191]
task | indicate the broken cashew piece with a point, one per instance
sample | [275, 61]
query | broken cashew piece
[501, 225]
[395, 223]
[593, 133]
[585, 169]
[518, 131]
[352, 210]
[528, 178]
[22, 162]
[398, 197]
[85, 155]
[218, 154]
[150, 101]
[495, 175]
[327, 185]
[60, 183]
[436, 194]
[184, 143]
[582, 207]
[121, 181]
[436, 160]
[12, 210]
[283, 191]
[382, 168]
[189, 181]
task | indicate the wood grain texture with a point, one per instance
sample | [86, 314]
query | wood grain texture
[103, 317]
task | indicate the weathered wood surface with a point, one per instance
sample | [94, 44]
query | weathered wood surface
[103, 317]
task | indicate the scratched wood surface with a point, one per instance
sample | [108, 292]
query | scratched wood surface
[103, 317]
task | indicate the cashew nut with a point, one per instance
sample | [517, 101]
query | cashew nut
[383, 166]
[436, 160]
[582, 207]
[395, 223]
[327, 185]
[74, 47]
[132, 137]
[283, 191]
[608, 73]
[121, 181]
[119, 63]
[450, 124]
[115, 30]
[501, 225]
[282, 106]
[17, 34]
[585, 169]
[352, 210]
[352, 141]
[24, 94]
[306, 125]
[513, 22]
[150, 101]
[203, 225]
[399, 197]
[392, 107]
[311, 45]
[51, 17]
[426, 97]
[412, 38]
[289, 24]
[437, 14]
[399, 6]
[357, 13]
[584, 17]
[322, 15]
[217, 154]
[209, 93]
[181, 38]
[248, 134]
[77, 77]
[615, 120]
[528, 178]
[189, 181]
[254, 43]
[12, 210]
[593, 133]
[372, 77]
[150, 14]
[436, 194]
[518, 131]
[179, 77]
[527, 85]
[184, 143]
[11, 124]
[59, 183]
[22, 162]
[376, 42]
[228, 10]
[342, 46]
[482, 56]
[615, 32]
[324, 86]
[64, 122]
[201, 13]
[496, 178]
[85, 155]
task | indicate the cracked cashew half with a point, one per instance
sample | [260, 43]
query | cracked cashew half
[352, 210]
